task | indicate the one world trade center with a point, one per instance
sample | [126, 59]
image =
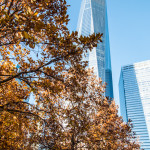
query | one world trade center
[93, 19]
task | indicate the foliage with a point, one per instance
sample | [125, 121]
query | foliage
[42, 60]
[91, 121]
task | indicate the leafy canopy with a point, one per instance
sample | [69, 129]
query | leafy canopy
[42, 60]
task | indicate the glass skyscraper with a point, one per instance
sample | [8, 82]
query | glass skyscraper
[93, 19]
[134, 91]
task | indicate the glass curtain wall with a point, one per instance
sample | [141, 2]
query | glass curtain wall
[93, 19]
[134, 91]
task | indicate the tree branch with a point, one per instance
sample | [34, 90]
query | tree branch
[37, 69]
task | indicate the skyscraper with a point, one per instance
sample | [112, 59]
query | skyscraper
[134, 91]
[93, 19]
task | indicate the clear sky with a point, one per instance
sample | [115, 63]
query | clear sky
[129, 32]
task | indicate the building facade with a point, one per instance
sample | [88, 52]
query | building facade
[93, 19]
[134, 91]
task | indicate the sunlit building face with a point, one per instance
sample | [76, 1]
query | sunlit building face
[134, 91]
[93, 19]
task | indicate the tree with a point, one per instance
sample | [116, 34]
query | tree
[35, 37]
[91, 120]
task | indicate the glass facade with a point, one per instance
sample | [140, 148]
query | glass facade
[134, 91]
[93, 19]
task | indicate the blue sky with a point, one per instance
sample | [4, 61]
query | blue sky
[129, 32]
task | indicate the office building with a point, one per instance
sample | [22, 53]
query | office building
[93, 19]
[134, 91]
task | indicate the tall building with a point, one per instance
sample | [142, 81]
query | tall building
[93, 19]
[134, 91]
